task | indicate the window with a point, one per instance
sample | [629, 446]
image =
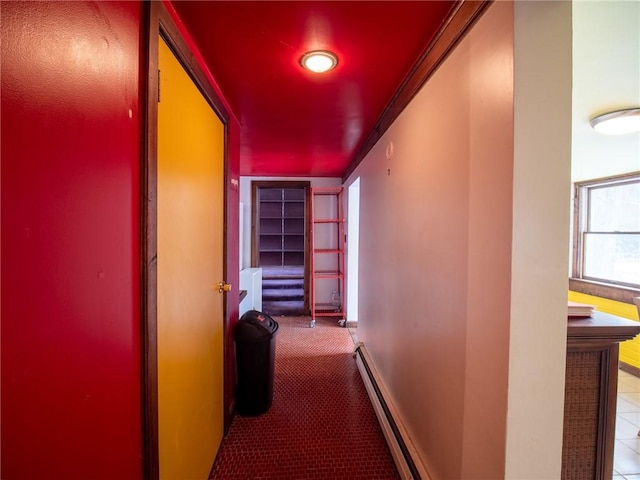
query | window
[607, 231]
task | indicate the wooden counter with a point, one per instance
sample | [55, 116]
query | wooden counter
[591, 388]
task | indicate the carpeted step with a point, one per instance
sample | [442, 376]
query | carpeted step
[282, 283]
[282, 272]
[277, 294]
[283, 294]
[283, 276]
[276, 308]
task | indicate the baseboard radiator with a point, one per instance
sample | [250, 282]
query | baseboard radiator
[404, 454]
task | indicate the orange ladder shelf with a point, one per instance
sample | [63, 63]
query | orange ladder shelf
[327, 254]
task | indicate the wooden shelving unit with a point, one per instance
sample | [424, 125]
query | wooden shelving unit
[281, 227]
[327, 254]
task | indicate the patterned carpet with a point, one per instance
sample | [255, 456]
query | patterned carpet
[321, 424]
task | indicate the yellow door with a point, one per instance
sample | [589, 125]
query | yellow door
[190, 265]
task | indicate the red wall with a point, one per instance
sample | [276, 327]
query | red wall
[70, 206]
[233, 258]
[70, 240]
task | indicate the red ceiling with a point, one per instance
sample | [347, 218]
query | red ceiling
[295, 122]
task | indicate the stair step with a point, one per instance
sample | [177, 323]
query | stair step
[283, 277]
[282, 294]
[283, 308]
[282, 272]
[283, 284]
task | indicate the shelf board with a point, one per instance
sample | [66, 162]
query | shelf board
[327, 310]
[330, 220]
[328, 275]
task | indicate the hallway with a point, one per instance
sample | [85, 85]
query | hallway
[321, 424]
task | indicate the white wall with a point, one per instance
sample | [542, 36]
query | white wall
[353, 246]
[463, 250]
[606, 76]
[606, 67]
[542, 152]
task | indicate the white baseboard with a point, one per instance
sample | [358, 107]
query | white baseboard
[405, 456]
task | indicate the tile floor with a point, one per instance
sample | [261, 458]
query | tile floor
[626, 459]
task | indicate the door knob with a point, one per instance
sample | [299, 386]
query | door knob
[224, 287]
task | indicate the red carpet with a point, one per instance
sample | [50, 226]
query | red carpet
[321, 424]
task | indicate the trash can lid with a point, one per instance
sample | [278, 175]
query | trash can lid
[255, 326]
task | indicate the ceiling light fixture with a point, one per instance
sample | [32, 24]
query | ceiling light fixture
[319, 61]
[618, 122]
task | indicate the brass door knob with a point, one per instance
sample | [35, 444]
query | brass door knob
[224, 287]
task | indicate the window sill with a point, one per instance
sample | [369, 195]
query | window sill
[617, 293]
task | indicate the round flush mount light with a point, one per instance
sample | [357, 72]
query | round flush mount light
[618, 122]
[319, 61]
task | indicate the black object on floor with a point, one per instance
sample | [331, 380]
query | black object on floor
[255, 335]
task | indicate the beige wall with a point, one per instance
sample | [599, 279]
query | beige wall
[442, 231]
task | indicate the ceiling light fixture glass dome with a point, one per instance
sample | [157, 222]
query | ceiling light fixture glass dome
[619, 122]
[319, 61]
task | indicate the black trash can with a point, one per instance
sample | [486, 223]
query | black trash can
[254, 336]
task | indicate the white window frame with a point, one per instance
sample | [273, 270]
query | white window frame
[607, 288]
